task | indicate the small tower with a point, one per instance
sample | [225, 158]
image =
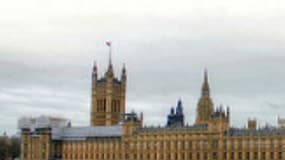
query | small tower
[205, 104]
[108, 96]
[176, 119]
[251, 124]
[131, 122]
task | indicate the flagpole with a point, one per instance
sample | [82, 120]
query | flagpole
[110, 54]
[109, 44]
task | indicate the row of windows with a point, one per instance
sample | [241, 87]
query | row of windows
[183, 156]
[156, 145]
[101, 105]
[263, 143]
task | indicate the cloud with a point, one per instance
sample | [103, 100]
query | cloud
[47, 49]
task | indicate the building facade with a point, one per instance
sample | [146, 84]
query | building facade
[281, 122]
[108, 97]
[116, 135]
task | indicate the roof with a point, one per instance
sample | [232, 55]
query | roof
[42, 122]
[83, 133]
[258, 132]
[175, 128]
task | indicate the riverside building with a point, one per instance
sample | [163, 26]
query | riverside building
[114, 134]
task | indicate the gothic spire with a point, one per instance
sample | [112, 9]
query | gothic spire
[205, 87]
[95, 70]
[124, 72]
[179, 108]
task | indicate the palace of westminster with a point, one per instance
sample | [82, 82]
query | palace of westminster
[117, 135]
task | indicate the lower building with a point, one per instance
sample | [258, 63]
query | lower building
[281, 122]
[209, 138]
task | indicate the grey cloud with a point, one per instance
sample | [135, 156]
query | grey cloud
[47, 51]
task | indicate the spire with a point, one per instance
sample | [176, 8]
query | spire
[95, 70]
[179, 108]
[124, 72]
[205, 87]
[95, 67]
[206, 75]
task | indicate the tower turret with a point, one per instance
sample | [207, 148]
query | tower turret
[176, 119]
[95, 71]
[179, 108]
[124, 73]
[108, 96]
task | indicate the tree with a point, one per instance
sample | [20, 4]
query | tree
[9, 147]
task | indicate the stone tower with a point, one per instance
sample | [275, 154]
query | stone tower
[108, 97]
[205, 104]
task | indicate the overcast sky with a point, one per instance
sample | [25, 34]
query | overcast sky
[47, 49]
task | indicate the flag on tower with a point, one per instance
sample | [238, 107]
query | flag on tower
[108, 43]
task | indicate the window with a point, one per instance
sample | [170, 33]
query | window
[190, 144]
[198, 145]
[168, 145]
[239, 155]
[247, 155]
[198, 156]
[263, 143]
[215, 156]
[280, 143]
[225, 144]
[190, 155]
[215, 144]
[232, 144]
[232, 155]
[255, 143]
[240, 144]
[247, 143]
[161, 156]
[205, 156]
[272, 155]
[205, 144]
[255, 155]
[263, 155]
[271, 143]
[183, 145]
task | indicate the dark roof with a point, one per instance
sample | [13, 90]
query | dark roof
[258, 132]
[103, 80]
[176, 128]
[82, 133]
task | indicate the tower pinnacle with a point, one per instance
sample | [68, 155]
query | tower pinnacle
[205, 105]
[205, 87]
[95, 71]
